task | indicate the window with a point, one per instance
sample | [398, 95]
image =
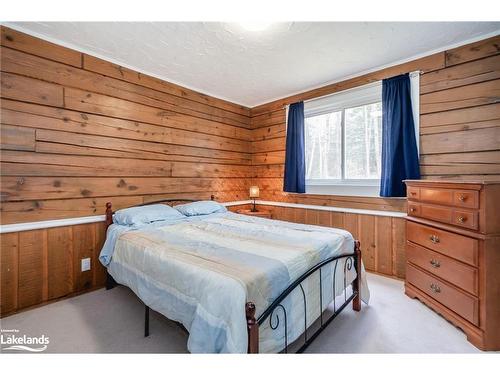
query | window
[343, 142]
[344, 145]
[323, 145]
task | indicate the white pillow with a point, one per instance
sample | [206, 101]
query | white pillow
[146, 214]
[200, 208]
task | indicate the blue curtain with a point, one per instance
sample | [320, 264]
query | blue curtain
[295, 165]
[399, 146]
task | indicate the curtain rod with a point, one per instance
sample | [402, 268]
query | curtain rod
[419, 72]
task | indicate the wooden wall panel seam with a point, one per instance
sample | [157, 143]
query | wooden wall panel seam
[487, 69]
[165, 135]
[481, 93]
[161, 119]
[31, 90]
[141, 149]
[80, 100]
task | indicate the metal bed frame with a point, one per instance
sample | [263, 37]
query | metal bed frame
[272, 313]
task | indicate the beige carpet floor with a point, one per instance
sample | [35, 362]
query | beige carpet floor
[112, 322]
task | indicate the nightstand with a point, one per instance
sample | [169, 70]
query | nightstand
[264, 214]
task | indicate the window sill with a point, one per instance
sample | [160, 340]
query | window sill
[344, 190]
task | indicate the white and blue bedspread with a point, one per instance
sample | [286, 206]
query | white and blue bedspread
[201, 271]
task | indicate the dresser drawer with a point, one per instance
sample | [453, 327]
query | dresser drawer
[413, 192]
[446, 294]
[453, 245]
[466, 219]
[448, 197]
[443, 214]
[466, 198]
[446, 268]
[439, 213]
[439, 196]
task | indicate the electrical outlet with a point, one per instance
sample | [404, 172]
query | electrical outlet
[85, 264]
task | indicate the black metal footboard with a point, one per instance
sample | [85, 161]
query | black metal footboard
[276, 314]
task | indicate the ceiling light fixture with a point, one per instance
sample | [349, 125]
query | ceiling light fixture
[255, 25]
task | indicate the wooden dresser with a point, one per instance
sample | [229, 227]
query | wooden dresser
[453, 254]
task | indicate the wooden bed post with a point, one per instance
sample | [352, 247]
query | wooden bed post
[110, 282]
[109, 215]
[252, 328]
[356, 302]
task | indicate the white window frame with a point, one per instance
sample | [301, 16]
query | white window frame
[362, 95]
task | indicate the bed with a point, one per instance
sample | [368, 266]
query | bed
[238, 284]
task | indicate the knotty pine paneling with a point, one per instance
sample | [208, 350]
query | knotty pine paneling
[461, 75]
[30, 90]
[382, 238]
[43, 265]
[32, 264]
[459, 124]
[58, 119]
[39, 47]
[59, 261]
[398, 232]
[77, 130]
[43, 188]
[84, 246]
[473, 51]
[271, 190]
[17, 138]
[9, 271]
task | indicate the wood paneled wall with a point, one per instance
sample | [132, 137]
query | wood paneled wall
[77, 131]
[459, 123]
[382, 238]
[44, 265]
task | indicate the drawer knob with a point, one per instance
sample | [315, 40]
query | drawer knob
[461, 219]
[435, 288]
[413, 209]
[462, 198]
[434, 239]
[435, 263]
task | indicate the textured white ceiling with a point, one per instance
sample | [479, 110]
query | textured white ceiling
[252, 68]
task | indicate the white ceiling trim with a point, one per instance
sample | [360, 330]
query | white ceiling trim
[305, 89]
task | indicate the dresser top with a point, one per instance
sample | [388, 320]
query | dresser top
[443, 181]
